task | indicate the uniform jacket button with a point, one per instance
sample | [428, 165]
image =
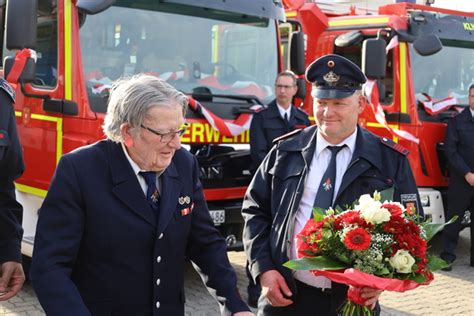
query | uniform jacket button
[158, 259]
[161, 236]
[158, 282]
[157, 305]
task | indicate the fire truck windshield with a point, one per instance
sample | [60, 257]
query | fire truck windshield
[193, 53]
[447, 73]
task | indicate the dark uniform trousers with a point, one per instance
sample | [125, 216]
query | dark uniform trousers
[459, 149]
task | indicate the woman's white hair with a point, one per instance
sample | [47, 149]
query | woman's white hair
[131, 98]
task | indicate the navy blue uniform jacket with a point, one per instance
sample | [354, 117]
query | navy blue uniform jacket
[459, 147]
[11, 168]
[273, 197]
[267, 125]
[99, 251]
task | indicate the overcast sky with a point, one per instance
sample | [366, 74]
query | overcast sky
[462, 5]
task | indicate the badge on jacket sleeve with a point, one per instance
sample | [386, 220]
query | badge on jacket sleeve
[409, 201]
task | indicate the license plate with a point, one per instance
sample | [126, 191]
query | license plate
[218, 217]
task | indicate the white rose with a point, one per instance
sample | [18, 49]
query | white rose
[373, 212]
[402, 261]
[365, 199]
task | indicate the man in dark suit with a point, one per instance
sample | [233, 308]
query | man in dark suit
[122, 215]
[12, 276]
[459, 149]
[278, 118]
[292, 180]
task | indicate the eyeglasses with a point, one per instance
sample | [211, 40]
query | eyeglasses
[167, 137]
[282, 86]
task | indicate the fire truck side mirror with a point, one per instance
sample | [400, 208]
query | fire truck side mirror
[301, 85]
[374, 58]
[297, 53]
[21, 20]
[93, 6]
[427, 45]
[29, 70]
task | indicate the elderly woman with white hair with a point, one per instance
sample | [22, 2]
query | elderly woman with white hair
[122, 215]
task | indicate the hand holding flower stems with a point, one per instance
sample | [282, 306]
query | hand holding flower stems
[372, 247]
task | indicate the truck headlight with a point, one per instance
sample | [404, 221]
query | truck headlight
[425, 200]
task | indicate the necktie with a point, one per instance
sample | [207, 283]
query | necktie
[287, 122]
[152, 191]
[325, 192]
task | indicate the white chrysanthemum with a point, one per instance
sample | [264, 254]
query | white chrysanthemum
[402, 261]
[372, 211]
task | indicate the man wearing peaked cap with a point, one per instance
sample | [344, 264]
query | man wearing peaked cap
[330, 164]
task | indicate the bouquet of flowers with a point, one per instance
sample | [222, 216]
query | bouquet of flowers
[374, 244]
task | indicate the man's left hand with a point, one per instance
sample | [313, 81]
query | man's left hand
[12, 278]
[371, 295]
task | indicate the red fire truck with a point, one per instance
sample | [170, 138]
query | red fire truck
[222, 54]
[419, 61]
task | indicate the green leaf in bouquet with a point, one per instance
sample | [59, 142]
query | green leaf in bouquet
[315, 263]
[339, 209]
[387, 195]
[436, 263]
[318, 214]
[382, 271]
[417, 277]
[432, 229]
[343, 257]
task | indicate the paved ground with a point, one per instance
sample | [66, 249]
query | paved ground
[451, 293]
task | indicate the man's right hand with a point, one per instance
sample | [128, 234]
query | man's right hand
[470, 178]
[275, 289]
[12, 278]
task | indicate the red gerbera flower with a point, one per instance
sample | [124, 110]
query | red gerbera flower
[393, 208]
[349, 218]
[357, 239]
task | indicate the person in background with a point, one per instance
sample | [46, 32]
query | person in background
[122, 216]
[12, 276]
[459, 149]
[278, 118]
[332, 163]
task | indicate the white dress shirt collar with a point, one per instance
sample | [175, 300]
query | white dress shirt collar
[135, 167]
[283, 111]
[321, 143]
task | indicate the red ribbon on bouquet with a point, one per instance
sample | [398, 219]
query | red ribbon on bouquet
[358, 278]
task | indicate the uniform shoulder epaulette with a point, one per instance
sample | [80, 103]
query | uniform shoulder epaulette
[301, 110]
[5, 86]
[260, 109]
[395, 146]
[287, 135]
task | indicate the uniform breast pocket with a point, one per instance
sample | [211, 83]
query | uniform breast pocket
[4, 143]
[465, 134]
[184, 212]
[371, 181]
[273, 129]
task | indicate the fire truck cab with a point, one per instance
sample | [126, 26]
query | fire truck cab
[419, 61]
[224, 55]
